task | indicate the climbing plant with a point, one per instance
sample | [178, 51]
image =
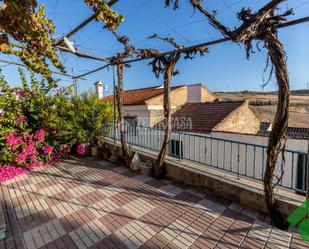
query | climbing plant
[118, 60]
[165, 64]
[261, 26]
[26, 33]
[110, 17]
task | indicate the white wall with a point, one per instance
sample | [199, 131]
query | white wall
[246, 154]
[194, 94]
[141, 112]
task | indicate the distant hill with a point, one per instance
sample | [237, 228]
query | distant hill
[265, 103]
[293, 92]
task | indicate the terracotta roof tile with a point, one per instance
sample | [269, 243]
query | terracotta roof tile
[201, 117]
[139, 96]
[292, 132]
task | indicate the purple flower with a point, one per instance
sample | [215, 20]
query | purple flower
[30, 149]
[60, 90]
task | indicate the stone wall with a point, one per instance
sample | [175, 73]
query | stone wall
[156, 116]
[242, 120]
[206, 95]
[178, 98]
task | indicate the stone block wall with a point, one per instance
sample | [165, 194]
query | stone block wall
[179, 97]
[206, 95]
[242, 120]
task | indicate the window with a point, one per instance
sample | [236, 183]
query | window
[131, 126]
[176, 148]
[301, 172]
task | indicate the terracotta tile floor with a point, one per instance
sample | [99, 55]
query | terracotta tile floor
[84, 203]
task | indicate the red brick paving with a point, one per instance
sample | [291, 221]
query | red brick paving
[73, 218]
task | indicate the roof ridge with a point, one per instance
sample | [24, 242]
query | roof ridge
[154, 87]
[144, 88]
[219, 102]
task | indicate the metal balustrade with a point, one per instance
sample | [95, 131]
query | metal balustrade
[242, 159]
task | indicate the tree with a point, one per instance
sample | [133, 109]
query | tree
[261, 26]
[165, 64]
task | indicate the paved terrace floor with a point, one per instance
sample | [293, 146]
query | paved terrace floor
[84, 203]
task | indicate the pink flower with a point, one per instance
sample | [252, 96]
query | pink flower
[20, 93]
[30, 149]
[47, 149]
[26, 137]
[9, 172]
[40, 135]
[81, 149]
[12, 139]
[34, 165]
[21, 159]
[65, 149]
[20, 120]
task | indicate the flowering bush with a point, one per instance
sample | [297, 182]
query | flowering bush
[39, 125]
[28, 137]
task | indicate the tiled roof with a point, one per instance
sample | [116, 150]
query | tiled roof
[292, 132]
[202, 117]
[139, 96]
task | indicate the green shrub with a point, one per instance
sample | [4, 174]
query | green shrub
[92, 116]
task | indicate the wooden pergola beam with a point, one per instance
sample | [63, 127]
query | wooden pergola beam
[84, 23]
[204, 44]
[82, 54]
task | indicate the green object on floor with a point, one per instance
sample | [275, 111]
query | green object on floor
[300, 216]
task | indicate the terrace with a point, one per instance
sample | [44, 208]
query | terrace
[219, 181]
[83, 203]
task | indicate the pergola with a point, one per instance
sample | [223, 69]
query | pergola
[242, 34]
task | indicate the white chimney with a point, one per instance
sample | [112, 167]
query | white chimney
[99, 89]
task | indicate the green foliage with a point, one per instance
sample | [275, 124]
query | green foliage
[26, 33]
[110, 17]
[66, 120]
[92, 117]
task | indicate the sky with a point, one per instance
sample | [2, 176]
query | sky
[224, 68]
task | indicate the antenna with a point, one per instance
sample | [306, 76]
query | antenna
[75, 84]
